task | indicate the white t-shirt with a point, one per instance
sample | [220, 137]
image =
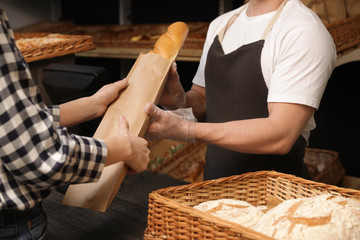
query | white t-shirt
[298, 55]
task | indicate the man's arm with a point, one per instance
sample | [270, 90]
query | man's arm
[275, 134]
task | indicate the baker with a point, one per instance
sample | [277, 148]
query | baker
[262, 74]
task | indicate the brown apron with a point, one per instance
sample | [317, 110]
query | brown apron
[236, 90]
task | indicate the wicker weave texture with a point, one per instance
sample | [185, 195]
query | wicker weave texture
[73, 44]
[325, 165]
[346, 33]
[171, 214]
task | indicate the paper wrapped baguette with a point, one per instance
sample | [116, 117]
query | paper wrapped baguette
[146, 82]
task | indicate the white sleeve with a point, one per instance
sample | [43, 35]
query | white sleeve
[306, 59]
[199, 78]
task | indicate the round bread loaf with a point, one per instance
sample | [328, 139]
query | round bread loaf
[321, 217]
[236, 211]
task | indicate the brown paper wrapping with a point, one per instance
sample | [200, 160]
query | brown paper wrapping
[146, 81]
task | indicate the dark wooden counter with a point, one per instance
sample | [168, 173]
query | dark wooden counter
[125, 219]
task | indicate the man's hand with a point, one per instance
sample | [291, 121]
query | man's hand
[178, 125]
[173, 95]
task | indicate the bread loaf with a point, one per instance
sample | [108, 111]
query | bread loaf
[321, 217]
[170, 42]
[232, 210]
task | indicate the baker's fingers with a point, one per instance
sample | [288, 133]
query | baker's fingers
[153, 111]
[174, 67]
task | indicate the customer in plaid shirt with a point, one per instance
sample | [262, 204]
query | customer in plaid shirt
[38, 153]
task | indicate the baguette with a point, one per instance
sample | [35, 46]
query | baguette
[170, 42]
[147, 78]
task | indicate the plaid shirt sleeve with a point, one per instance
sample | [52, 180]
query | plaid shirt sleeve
[36, 153]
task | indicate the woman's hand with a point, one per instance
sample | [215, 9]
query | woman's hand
[128, 148]
[107, 94]
[88, 108]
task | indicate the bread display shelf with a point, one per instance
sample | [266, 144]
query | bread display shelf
[39, 46]
[47, 26]
[189, 55]
[126, 41]
[171, 214]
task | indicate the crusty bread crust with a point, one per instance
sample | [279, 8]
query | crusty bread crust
[169, 43]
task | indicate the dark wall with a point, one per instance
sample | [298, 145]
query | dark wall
[164, 11]
[91, 11]
[142, 11]
[338, 127]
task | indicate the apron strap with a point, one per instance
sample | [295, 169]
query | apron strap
[228, 25]
[273, 20]
[267, 30]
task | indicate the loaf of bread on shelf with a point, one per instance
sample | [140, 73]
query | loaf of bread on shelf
[321, 217]
[233, 210]
[170, 42]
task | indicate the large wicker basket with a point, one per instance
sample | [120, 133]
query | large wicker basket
[324, 165]
[346, 33]
[171, 214]
[180, 160]
[72, 44]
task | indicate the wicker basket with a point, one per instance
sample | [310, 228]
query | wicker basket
[324, 165]
[183, 161]
[171, 214]
[72, 44]
[346, 33]
[188, 165]
[163, 151]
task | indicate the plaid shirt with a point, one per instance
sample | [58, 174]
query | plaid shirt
[36, 153]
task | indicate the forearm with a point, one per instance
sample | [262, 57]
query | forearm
[275, 134]
[256, 136]
[78, 111]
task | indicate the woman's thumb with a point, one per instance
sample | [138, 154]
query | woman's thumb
[123, 123]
